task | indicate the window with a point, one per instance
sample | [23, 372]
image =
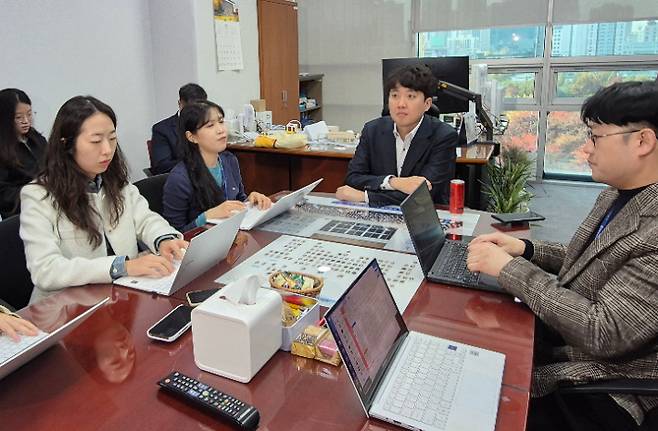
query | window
[606, 39]
[583, 84]
[517, 42]
[565, 138]
[517, 86]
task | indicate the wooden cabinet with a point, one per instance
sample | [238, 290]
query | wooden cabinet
[278, 57]
[310, 86]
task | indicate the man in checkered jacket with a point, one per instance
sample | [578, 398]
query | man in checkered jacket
[597, 298]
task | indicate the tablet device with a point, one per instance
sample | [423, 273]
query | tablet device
[518, 217]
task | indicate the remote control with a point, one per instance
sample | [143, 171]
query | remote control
[227, 407]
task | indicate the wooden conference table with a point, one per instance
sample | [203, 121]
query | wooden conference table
[268, 170]
[103, 375]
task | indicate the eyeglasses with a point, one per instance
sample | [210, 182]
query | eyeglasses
[592, 137]
[20, 119]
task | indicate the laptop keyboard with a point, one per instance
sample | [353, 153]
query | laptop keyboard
[426, 384]
[9, 348]
[359, 229]
[451, 263]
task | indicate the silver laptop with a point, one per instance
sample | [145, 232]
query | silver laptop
[204, 251]
[255, 216]
[411, 379]
[15, 354]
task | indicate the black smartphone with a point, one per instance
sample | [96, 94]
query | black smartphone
[518, 217]
[172, 325]
[196, 297]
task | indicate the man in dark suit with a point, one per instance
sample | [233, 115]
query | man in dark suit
[398, 152]
[597, 298]
[164, 139]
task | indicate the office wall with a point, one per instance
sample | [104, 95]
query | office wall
[346, 41]
[173, 48]
[55, 50]
[230, 89]
[132, 54]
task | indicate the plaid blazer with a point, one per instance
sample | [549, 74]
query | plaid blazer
[603, 301]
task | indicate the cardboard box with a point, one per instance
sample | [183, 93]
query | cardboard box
[258, 104]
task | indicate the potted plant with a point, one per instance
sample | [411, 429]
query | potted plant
[508, 179]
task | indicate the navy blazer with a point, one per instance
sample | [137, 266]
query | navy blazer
[431, 154]
[164, 145]
[179, 208]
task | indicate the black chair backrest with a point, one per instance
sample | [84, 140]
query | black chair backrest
[16, 285]
[151, 188]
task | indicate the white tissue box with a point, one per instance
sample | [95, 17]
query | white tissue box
[235, 340]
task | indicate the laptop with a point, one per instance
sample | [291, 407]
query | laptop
[204, 251]
[411, 379]
[15, 354]
[442, 260]
[256, 216]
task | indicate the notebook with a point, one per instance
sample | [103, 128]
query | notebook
[408, 378]
[442, 260]
[205, 250]
[256, 216]
[15, 354]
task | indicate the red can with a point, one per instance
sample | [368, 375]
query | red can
[457, 196]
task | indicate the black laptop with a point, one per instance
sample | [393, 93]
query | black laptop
[442, 260]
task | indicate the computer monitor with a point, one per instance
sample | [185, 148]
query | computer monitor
[451, 69]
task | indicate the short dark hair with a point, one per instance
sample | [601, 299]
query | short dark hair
[623, 103]
[418, 78]
[191, 93]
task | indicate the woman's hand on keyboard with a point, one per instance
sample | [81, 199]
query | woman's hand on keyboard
[13, 326]
[149, 265]
[173, 249]
[225, 210]
[259, 200]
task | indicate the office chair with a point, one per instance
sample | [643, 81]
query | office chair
[642, 387]
[16, 286]
[151, 188]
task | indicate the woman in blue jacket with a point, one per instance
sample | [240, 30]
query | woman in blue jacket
[206, 184]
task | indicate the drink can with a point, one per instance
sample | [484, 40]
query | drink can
[457, 196]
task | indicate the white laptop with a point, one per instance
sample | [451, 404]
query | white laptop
[411, 379]
[255, 216]
[204, 251]
[14, 354]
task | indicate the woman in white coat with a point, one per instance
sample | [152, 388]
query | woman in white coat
[81, 218]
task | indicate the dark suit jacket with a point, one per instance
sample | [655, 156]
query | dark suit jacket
[164, 145]
[603, 301]
[13, 178]
[180, 209]
[431, 155]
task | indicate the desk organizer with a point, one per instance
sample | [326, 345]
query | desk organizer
[310, 313]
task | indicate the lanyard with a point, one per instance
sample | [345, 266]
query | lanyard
[604, 222]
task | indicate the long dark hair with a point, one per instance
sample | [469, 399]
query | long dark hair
[206, 192]
[67, 183]
[9, 99]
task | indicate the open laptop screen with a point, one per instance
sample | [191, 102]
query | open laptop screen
[424, 226]
[367, 327]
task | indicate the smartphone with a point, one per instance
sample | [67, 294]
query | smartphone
[172, 326]
[518, 217]
[196, 297]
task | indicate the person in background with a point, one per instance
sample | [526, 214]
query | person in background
[21, 148]
[165, 153]
[597, 298]
[398, 152]
[81, 218]
[206, 184]
[13, 326]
